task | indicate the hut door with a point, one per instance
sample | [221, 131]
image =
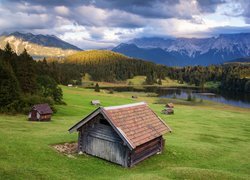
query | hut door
[33, 115]
[111, 151]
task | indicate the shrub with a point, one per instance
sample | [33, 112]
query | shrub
[193, 98]
[25, 103]
[111, 91]
[97, 88]
[189, 97]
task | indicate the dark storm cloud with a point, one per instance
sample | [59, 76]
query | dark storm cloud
[145, 8]
[209, 6]
[246, 12]
[115, 10]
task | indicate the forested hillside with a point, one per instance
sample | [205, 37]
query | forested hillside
[103, 66]
[111, 67]
[232, 77]
[95, 55]
[24, 82]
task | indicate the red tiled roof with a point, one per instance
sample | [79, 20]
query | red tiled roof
[136, 122]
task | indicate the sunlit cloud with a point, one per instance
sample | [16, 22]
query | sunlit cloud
[104, 23]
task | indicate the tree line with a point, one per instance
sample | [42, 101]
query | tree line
[25, 82]
[108, 67]
[232, 77]
[112, 67]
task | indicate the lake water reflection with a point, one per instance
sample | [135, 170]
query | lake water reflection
[234, 99]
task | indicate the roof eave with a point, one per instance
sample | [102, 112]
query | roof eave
[95, 113]
[84, 120]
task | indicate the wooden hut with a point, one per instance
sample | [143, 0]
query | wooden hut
[40, 112]
[96, 102]
[124, 134]
[168, 111]
[170, 105]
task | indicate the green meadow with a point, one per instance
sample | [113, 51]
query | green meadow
[209, 141]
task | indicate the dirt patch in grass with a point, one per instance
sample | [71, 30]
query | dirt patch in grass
[66, 148]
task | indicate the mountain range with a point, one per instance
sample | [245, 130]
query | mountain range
[188, 51]
[167, 51]
[38, 45]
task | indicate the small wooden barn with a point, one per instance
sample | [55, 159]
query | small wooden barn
[170, 105]
[168, 111]
[124, 134]
[96, 102]
[40, 112]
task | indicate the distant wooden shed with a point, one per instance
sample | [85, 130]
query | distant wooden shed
[168, 111]
[134, 97]
[124, 134]
[170, 105]
[40, 112]
[96, 102]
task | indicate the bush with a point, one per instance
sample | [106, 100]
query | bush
[193, 98]
[152, 95]
[130, 83]
[111, 91]
[25, 103]
[97, 88]
[189, 97]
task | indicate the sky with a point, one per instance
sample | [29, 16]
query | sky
[95, 24]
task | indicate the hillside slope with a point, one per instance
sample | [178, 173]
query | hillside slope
[95, 55]
[109, 66]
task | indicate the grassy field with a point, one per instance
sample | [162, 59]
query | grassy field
[209, 141]
[135, 81]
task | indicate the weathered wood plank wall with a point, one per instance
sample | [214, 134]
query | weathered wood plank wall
[102, 141]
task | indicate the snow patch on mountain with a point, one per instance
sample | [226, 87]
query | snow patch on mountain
[192, 47]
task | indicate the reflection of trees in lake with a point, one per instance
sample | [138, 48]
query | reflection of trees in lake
[237, 99]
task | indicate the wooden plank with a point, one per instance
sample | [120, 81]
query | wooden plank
[147, 145]
[146, 150]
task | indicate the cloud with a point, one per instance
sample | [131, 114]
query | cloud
[100, 23]
[246, 10]
[62, 10]
[227, 30]
[209, 6]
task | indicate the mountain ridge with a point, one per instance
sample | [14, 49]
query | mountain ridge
[38, 45]
[190, 51]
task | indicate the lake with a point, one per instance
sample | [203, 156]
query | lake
[234, 99]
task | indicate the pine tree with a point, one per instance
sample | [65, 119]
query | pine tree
[9, 89]
[26, 73]
[8, 52]
[247, 86]
[159, 81]
[97, 88]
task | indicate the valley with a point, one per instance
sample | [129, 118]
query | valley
[198, 132]
[125, 90]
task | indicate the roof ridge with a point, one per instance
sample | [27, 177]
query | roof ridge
[124, 106]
